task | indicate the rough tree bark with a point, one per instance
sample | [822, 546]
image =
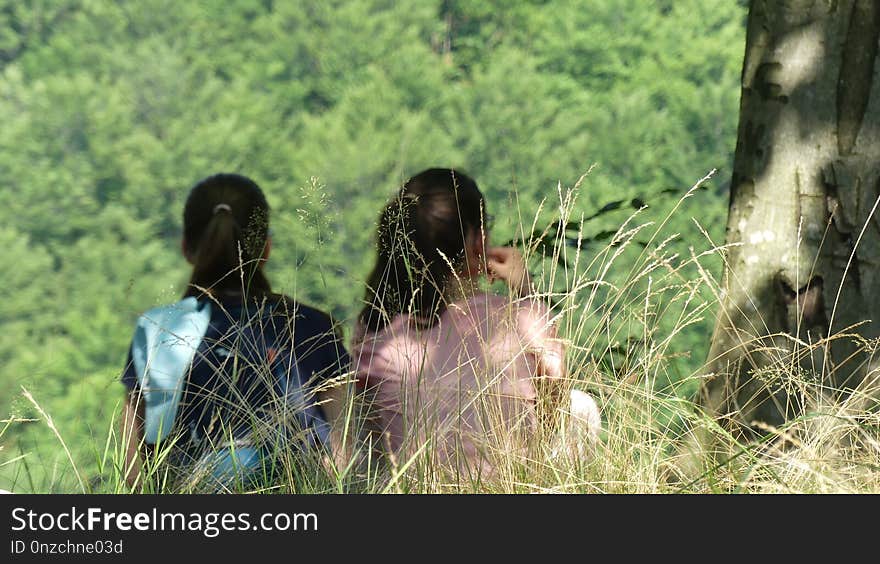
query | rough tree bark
[806, 238]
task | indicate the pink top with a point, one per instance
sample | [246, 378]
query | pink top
[466, 383]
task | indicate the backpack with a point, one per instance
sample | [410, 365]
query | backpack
[165, 341]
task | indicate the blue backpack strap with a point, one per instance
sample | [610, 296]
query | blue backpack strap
[165, 342]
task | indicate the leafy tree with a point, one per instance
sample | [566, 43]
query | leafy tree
[112, 110]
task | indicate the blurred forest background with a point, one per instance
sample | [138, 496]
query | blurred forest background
[110, 111]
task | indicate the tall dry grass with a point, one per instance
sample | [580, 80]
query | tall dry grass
[622, 308]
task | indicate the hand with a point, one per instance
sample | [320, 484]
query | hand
[507, 263]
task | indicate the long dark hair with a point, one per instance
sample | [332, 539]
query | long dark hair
[428, 220]
[225, 231]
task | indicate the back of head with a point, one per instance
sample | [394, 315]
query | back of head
[225, 233]
[421, 240]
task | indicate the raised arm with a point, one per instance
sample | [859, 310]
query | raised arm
[536, 330]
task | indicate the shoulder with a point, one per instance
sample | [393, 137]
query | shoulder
[493, 306]
[314, 316]
[492, 301]
[530, 315]
[305, 318]
[169, 313]
[303, 312]
[399, 333]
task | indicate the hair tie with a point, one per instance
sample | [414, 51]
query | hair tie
[219, 207]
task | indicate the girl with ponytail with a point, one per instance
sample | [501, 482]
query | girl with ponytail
[230, 382]
[458, 375]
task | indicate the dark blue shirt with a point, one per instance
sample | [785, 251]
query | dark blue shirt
[256, 364]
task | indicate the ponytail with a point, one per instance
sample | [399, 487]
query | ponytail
[225, 233]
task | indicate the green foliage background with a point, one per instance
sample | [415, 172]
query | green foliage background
[110, 111]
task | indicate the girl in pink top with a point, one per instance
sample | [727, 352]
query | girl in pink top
[455, 374]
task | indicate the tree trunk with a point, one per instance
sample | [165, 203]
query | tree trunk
[803, 265]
